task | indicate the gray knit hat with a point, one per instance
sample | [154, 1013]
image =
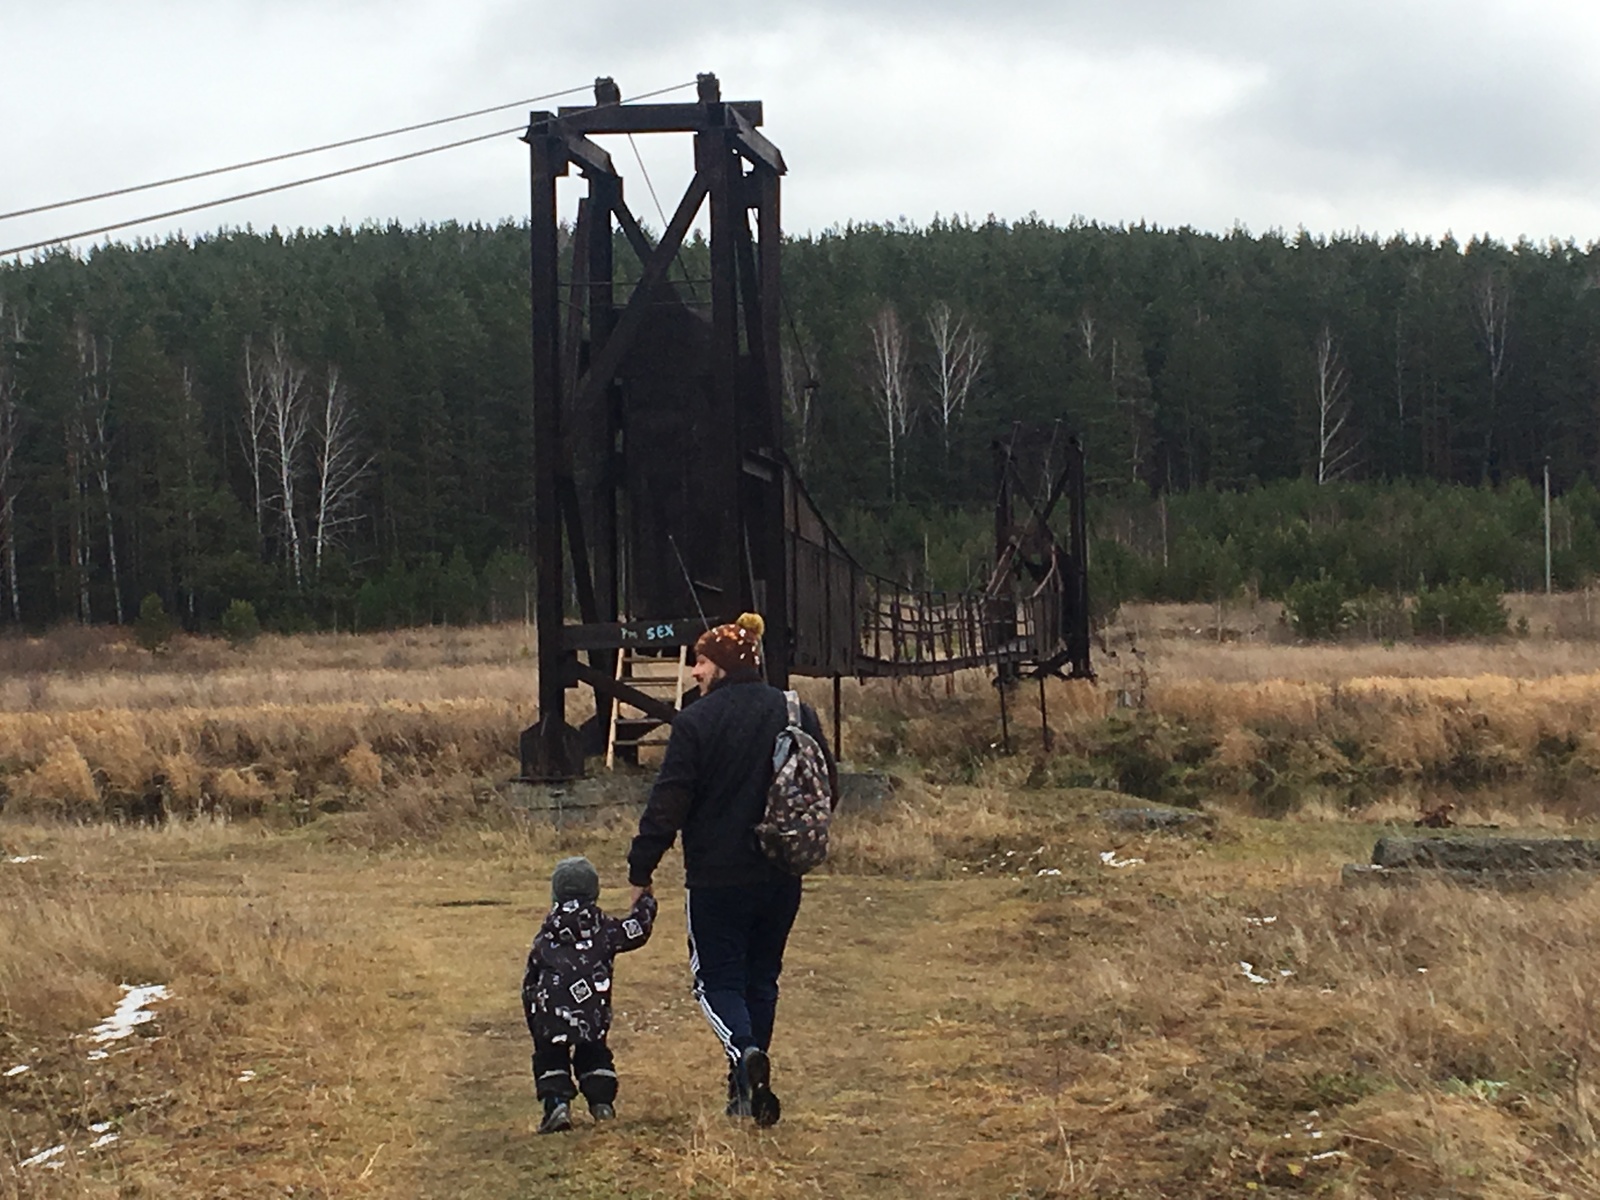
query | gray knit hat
[575, 879]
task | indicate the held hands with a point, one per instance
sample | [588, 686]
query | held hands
[636, 893]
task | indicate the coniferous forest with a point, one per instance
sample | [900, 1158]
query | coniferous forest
[334, 426]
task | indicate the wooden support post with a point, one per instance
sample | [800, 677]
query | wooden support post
[838, 735]
[1000, 684]
[722, 507]
[550, 749]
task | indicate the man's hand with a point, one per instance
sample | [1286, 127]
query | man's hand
[633, 897]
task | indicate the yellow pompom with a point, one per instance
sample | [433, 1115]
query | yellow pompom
[752, 622]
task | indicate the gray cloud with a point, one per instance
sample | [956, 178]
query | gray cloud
[1414, 114]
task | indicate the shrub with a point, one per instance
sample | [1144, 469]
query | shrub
[154, 628]
[240, 623]
[1460, 610]
[1317, 608]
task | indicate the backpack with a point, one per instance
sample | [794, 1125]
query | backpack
[794, 832]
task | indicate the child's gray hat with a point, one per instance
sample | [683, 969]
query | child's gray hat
[575, 879]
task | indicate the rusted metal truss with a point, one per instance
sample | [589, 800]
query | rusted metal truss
[661, 486]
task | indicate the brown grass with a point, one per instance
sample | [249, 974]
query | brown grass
[955, 1022]
[975, 1004]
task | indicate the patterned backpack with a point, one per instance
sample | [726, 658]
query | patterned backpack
[794, 832]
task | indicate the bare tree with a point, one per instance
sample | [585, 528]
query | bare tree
[287, 421]
[799, 403]
[1491, 313]
[958, 355]
[891, 385]
[339, 466]
[94, 366]
[1335, 446]
[11, 336]
[253, 437]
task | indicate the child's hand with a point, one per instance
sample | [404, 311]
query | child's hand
[633, 897]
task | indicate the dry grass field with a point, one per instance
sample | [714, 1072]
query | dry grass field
[976, 1003]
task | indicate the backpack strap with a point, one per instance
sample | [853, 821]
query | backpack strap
[793, 699]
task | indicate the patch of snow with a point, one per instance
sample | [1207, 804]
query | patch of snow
[98, 1055]
[1326, 1154]
[1048, 871]
[44, 1156]
[247, 1076]
[1110, 859]
[1261, 920]
[132, 1011]
[105, 1139]
[1249, 972]
[22, 1069]
[25, 858]
[100, 1127]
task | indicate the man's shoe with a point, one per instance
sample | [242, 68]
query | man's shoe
[557, 1117]
[601, 1111]
[756, 1068]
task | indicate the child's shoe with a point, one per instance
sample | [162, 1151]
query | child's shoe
[601, 1111]
[557, 1116]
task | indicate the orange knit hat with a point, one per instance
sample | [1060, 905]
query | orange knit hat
[735, 645]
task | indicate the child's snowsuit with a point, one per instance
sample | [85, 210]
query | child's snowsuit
[566, 996]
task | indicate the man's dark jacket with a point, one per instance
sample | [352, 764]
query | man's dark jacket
[713, 785]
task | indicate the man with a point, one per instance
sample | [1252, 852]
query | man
[713, 787]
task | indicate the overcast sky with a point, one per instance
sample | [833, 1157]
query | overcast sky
[1421, 116]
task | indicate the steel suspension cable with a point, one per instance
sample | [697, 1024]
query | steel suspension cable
[281, 187]
[272, 158]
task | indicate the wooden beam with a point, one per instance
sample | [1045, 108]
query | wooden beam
[593, 159]
[753, 145]
[631, 230]
[614, 635]
[603, 367]
[651, 118]
[651, 706]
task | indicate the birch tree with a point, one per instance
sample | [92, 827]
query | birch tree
[891, 385]
[253, 437]
[799, 404]
[94, 363]
[339, 466]
[11, 337]
[1491, 313]
[1335, 446]
[287, 422]
[958, 356]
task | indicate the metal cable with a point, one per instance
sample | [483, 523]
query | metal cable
[261, 162]
[280, 187]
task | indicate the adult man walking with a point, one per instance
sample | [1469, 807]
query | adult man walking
[712, 786]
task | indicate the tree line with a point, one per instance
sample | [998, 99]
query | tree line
[334, 425]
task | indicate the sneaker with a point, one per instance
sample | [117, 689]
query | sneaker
[601, 1111]
[757, 1070]
[557, 1117]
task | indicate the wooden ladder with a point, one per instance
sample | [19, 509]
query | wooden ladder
[650, 673]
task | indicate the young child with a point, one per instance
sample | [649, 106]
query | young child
[566, 992]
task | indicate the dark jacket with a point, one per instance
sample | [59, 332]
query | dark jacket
[713, 785]
[566, 989]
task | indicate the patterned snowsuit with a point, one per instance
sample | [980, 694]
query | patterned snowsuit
[566, 996]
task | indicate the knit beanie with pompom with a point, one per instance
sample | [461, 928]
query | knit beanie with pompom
[735, 645]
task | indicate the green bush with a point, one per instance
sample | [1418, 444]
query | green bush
[1463, 609]
[1317, 608]
[240, 623]
[154, 628]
